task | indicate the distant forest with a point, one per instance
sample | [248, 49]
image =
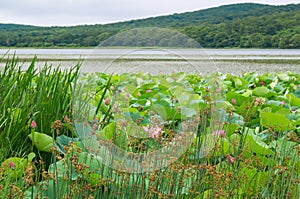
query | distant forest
[245, 25]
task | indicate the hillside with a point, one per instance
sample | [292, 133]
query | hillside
[245, 25]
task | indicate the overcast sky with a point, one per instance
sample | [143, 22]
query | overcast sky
[75, 12]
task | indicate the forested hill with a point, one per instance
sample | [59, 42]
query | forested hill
[245, 25]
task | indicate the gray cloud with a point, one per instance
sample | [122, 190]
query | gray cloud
[71, 12]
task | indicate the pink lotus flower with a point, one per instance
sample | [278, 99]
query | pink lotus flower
[230, 159]
[12, 165]
[262, 83]
[148, 91]
[139, 94]
[283, 103]
[220, 133]
[258, 101]
[106, 101]
[233, 101]
[153, 132]
[33, 124]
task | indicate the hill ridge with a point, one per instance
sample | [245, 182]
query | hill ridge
[245, 25]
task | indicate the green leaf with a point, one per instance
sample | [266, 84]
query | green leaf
[13, 168]
[283, 77]
[62, 169]
[108, 132]
[174, 114]
[283, 111]
[64, 140]
[240, 83]
[42, 141]
[160, 110]
[276, 121]
[31, 156]
[230, 128]
[280, 88]
[247, 93]
[293, 100]
[83, 130]
[260, 91]
[256, 145]
[224, 147]
[235, 119]
[93, 178]
[240, 99]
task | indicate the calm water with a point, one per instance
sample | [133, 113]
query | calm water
[234, 61]
[261, 52]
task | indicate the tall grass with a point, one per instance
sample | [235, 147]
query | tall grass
[31, 94]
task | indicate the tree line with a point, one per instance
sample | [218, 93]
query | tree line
[232, 26]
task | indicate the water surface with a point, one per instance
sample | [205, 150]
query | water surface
[205, 61]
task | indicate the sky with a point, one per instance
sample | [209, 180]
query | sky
[79, 12]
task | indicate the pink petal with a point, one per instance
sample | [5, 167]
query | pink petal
[106, 101]
[12, 165]
[146, 129]
[220, 133]
[231, 159]
[33, 124]
[233, 101]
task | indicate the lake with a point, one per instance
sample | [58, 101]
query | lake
[155, 61]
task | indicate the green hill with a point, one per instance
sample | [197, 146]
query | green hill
[246, 25]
